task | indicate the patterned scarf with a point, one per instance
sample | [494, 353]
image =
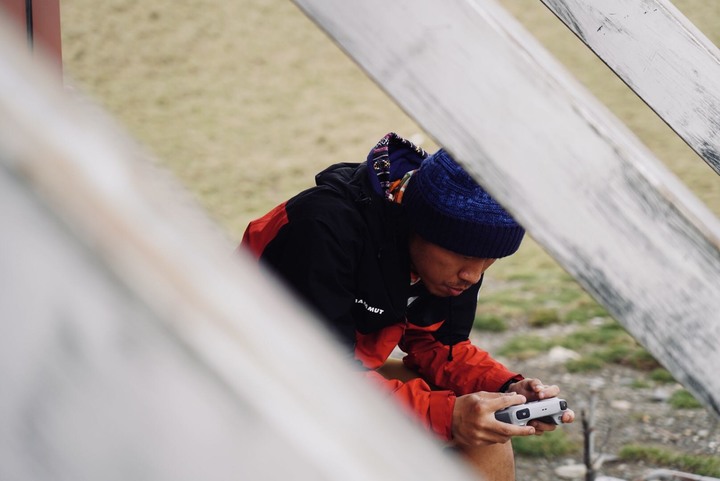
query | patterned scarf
[381, 161]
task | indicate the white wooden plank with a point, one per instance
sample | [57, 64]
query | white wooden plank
[93, 385]
[661, 56]
[576, 178]
[134, 344]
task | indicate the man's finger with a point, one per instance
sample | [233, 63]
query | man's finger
[506, 400]
[568, 416]
[511, 430]
[545, 392]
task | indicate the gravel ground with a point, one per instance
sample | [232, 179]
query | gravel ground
[624, 415]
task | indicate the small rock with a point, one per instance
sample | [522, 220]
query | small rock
[560, 355]
[661, 395]
[596, 384]
[571, 471]
[605, 458]
[621, 404]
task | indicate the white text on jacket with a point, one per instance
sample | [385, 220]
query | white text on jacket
[374, 310]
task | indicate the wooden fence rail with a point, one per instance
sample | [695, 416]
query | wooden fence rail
[661, 56]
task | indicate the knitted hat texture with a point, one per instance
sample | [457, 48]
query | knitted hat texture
[445, 206]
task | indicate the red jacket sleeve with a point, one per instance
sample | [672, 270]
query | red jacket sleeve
[433, 408]
[462, 368]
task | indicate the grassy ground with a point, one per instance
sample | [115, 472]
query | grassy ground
[244, 100]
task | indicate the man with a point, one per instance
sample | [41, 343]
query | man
[392, 253]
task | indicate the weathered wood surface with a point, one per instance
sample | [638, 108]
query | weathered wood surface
[135, 345]
[661, 56]
[578, 180]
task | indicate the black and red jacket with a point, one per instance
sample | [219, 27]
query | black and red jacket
[344, 249]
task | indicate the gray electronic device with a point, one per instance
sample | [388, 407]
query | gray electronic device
[546, 410]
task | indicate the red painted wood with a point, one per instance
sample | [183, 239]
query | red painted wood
[44, 28]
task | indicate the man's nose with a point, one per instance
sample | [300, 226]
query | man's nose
[473, 271]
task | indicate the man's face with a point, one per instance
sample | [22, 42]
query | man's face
[444, 272]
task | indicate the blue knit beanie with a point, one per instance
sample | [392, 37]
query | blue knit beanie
[445, 206]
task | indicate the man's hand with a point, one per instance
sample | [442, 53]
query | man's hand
[474, 422]
[534, 390]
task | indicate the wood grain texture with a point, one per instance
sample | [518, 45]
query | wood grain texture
[580, 182]
[661, 56]
[135, 345]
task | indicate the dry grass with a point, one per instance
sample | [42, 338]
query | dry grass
[245, 101]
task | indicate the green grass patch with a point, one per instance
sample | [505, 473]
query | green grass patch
[661, 375]
[618, 353]
[640, 359]
[607, 334]
[585, 310]
[695, 464]
[682, 399]
[606, 344]
[525, 347]
[544, 318]
[490, 323]
[550, 445]
[635, 357]
[567, 293]
[631, 355]
[584, 364]
[640, 384]
[508, 304]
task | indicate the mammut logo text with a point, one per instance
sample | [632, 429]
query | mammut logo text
[374, 310]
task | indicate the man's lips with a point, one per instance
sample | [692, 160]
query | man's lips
[455, 291]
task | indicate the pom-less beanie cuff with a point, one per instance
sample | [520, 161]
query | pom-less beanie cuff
[445, 206]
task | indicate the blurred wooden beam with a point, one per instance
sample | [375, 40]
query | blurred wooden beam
[661, 56]
[581, 183]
